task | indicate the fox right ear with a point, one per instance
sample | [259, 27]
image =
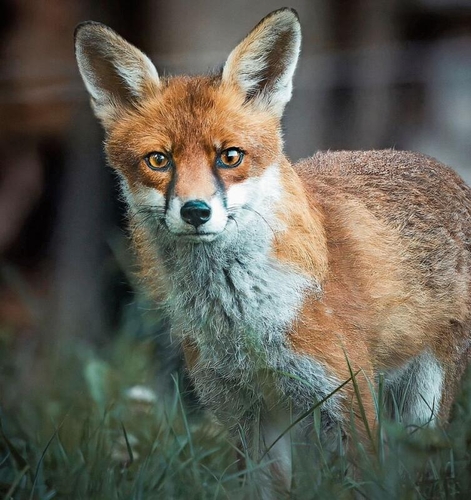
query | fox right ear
[117, 74]
[263, 64]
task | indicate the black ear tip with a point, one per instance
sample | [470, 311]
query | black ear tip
[293, 11]
[285, 10]
[89, 24]
[80, 26]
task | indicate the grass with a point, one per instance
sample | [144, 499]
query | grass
[98, 429]
[83, 422]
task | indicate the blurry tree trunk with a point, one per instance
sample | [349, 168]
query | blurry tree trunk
[82, 224]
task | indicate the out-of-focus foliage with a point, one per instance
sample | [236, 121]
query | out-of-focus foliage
[95, 425]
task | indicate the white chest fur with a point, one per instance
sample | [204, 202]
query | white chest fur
[235, 303]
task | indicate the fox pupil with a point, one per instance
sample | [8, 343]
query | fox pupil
[231, 157]
[157, 161]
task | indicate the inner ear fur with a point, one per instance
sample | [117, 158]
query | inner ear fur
[116, 74]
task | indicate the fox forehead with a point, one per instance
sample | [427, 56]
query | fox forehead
[192, 118]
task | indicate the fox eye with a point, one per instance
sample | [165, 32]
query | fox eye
[157, 161]
[230, 158]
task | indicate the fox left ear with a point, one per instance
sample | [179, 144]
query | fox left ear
[263, 64]
[117, 74]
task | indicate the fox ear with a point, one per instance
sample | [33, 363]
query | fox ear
[263, 64]
[117, 75]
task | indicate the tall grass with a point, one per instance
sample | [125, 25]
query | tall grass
[102, 424]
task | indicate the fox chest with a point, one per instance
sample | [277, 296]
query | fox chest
[237, 315]
[236, 318]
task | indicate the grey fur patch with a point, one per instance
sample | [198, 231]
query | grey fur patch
[235, 303]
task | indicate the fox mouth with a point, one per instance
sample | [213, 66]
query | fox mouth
[197, 236]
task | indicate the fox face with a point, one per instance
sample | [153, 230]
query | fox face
[197, 153]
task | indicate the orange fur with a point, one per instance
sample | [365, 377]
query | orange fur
[399, 266]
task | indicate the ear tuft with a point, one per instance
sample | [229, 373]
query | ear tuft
[262, 65]
[116, 74]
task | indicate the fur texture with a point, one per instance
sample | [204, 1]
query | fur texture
[358, 255]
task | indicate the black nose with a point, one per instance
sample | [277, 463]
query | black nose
[195, 212]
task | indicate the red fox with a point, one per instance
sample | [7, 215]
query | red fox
[273, 274]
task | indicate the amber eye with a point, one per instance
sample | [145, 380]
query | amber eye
[230, 158]
[157, 161]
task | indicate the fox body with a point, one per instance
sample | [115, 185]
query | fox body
[282, 280]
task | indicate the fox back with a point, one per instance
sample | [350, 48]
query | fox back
[283, 281]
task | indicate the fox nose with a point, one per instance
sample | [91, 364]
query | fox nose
[195, 212]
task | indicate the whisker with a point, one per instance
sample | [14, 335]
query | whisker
[138, 217]
[231, 217]
[150, 210]
[137, 224]
[250, 209]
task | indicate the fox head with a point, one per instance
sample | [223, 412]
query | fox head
[199, 155]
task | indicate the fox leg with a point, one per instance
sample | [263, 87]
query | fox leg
[263, 440]
[276, 443]
[414, 393]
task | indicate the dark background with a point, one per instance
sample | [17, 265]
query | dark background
[372, 74]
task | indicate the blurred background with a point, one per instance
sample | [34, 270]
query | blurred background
[372, 74]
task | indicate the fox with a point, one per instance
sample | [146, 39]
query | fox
[287, 285]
